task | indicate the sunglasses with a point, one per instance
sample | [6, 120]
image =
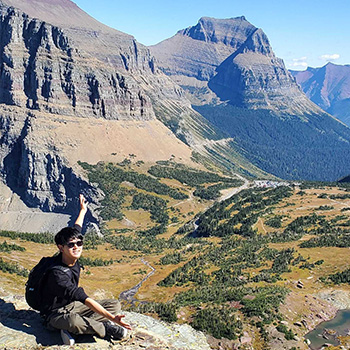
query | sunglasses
[70, 245]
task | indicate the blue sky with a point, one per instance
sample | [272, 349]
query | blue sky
[302, 32]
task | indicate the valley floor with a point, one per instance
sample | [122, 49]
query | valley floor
[273, 261]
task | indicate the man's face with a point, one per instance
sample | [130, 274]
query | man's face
[73, 249]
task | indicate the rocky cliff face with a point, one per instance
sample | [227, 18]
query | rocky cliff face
[329, 88]
[42, 69]
[253, 77]
[48, 71]
[34, 169]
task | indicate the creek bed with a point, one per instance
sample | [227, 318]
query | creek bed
[129, 295]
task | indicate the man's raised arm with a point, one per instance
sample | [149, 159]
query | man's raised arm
[83, 209]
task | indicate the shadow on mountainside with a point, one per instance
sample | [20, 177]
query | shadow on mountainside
[30, 322]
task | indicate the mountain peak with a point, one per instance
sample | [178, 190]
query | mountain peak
[222, 20]
[229, 31]
[258, 42]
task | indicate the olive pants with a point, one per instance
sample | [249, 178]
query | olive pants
[77, 318]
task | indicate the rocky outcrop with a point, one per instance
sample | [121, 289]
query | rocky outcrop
[338, 298]
[21, 328]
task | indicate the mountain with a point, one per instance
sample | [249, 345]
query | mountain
[231, 60]
[233, 78]
[73, 89]
[328, 87]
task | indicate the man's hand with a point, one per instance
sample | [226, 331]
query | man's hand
[118, 319]
[83, 209]
[83, 203]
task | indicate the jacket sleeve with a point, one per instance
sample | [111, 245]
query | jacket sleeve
[77, 227]
[61, 285]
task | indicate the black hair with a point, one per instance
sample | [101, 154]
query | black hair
[66, 234]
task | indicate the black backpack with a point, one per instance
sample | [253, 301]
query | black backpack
[37, 278]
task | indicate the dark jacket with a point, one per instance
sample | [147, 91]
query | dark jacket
[61, 287]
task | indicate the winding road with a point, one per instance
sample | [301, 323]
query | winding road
[235, 190]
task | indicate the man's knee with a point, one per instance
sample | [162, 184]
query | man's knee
[73, 322]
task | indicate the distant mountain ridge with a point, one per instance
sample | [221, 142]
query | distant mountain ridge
[328, 87]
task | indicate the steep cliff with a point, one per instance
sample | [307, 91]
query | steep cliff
[34, 169]
[230, 60]
[253, 77]
[55, 81]
[42, 69]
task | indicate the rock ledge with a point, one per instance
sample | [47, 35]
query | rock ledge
[21, 328]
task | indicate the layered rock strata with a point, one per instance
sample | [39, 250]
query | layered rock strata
[42, 69]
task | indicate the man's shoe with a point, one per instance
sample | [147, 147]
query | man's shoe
[67, 338]
[114, 332]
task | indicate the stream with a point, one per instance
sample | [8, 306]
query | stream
[129, 295]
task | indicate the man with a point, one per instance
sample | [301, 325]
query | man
[65, 305]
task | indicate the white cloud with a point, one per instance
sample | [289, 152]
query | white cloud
[332, 57]
[298, 62]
